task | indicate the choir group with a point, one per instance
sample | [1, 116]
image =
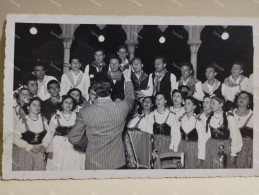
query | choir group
[198, 119]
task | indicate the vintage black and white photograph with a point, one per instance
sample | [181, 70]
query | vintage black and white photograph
[103, 97]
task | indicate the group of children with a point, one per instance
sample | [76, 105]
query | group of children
[198, 119]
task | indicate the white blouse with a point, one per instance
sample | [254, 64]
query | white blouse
[34, 126]
[188, 124]
[143, 124]
[230, 92]
[171, 121]
[241, 120]
[178, 112]
[235, 135]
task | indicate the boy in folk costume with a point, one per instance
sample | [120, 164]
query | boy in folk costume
[235, 83]
[163, 81]
[187, 79]
[141, 81]
[75, 78]
[211, 85]
[123, 53]
[96, 66]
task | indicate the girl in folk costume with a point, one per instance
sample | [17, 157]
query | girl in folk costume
[65, 155]
[117, 78]
[77, 95]
[163, 124]
[243, 115]
[22, 98]
[192, 135]
[31, 138]
[235, 83]
[140, 120]
[211, 85]
[75, 79]
[187, 79]
[141, 81]
[178, 101]
[163, 81]
[225, 140]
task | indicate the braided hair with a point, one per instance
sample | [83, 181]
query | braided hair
[220, 99]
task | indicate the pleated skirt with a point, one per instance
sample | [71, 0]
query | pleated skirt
[245, 156]
[212, 159]
[27, 161]
[190, 150]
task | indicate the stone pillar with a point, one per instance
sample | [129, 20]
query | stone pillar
[194, 42]
[132, 38]
[67, 37]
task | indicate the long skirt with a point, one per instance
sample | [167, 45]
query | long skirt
[190, 150]
[245, 156]
[27, 161]
[65, 156]
[161, 145]
[212, 156]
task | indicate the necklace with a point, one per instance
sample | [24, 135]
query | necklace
[67, 118]
[33, 118]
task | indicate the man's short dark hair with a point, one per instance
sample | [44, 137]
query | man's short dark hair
[136, 58]
[38, 64]
[52, 82]
[161, 57]
[31, 77]
[123, 47]
[102, 85]
[98, 50]
[73, 58]
[241, 64]
[212, 66]
[113, 56]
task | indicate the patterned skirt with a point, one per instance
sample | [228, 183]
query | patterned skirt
[212, 159]
[190, 150]
[245, 156]
[27, 161]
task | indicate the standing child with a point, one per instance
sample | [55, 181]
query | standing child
[65, 155]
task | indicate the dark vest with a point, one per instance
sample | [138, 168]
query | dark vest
[165, 87]
[118, 89]
[191, 136]
[217, 92]
[141, 83]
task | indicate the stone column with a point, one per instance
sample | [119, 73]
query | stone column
[194, 42]
[132, 38]
[67, 37]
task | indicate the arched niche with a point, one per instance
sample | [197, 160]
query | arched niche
[222, 53]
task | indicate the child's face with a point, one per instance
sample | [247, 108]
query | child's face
[206, 104]
[177, 98]
[75, 64]
[210, 73]
[236, 70]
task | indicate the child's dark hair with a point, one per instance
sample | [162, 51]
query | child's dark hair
[177, 91]
[195, 102]
[250, 96]
[80, 93]
[52, 82]
[64, 97]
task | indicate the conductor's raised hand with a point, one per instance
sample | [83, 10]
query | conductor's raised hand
[127, 74]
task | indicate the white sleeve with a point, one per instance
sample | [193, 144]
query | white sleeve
[150, 124]
[17, 139]
[63, 85]
[198, 94]
[86, 71]
[201, 139]
[175, 133]
[174, 83]
[150, 87]
[87, 85]
[235, 135]
[132, 123]
[48, 137]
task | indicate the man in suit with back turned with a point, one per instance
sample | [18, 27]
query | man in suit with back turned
[102, 123]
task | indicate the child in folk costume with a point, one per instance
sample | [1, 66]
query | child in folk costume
[163, 125]
[187, 79]
[75, 78]
[77, 95]
[243, 115]
[211, 85]
[192, 135]
[31, 138]
[178, 101]
[225, 140]
[65, 155]
[140, 120]
[235, 83]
